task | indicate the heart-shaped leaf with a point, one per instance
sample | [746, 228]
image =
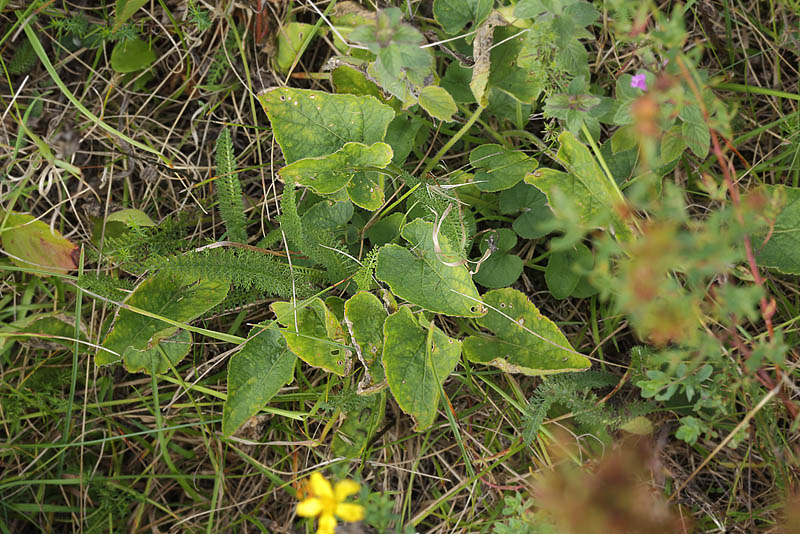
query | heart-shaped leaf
[532, 204]
[309, 124]
[330, 173]
[315, 335]
[291, 38]
[590, 191]
[255, 374]
[499, 168]
[434, 279]
[151, 360]
[524, 342]
[412, 356]
[179, 297]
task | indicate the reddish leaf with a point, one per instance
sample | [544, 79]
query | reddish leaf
[31, 243]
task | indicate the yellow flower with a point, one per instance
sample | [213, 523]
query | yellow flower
[328, 503]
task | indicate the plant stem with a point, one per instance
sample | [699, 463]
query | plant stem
[453, 140]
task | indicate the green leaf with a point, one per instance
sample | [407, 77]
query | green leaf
[359, 427]
[586, 185]
[31, 243]
[422, 277]
[456, 81]
[290, 43]
[132, 56]
[564, 269]
[177, 296]
[364, 316]
[437, 102]
[51, 328]
[673, 144]
[501, 269]
[411, 352]
[782, 251]
[315, 335]
[400, 64]
[386, 230]
[309, 124]
[332, 172]
[328, 215]
[453, 15]
[152, 361]
[697, 137]
[402, 133]
[524, 342]
[522, 84]
[125, 10]
[499, 168]
[581, 202]
[255, 374]
[348, 80]
[532, 203]
[366, 189]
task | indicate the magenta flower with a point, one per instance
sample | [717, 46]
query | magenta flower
[639, 82]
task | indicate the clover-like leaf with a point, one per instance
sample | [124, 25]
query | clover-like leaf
[414, 356]
[500, 269]
[524, 342]
[499, 168]
[453, 15]
[565, 269]
[359, 426]
[32, 244]
[179, 297]
[436, 280]
[309, 124]
[314, 334]
[255, 374]
[532, 204]
[332, 172]
[152, 361]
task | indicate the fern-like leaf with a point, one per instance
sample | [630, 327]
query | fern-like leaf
[318, 246]
[229, 190]
[249, 271]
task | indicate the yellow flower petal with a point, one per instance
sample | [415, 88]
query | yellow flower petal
[309, 508]
[345, 488]
[320, 486]
[350, 512]
[327, 524]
